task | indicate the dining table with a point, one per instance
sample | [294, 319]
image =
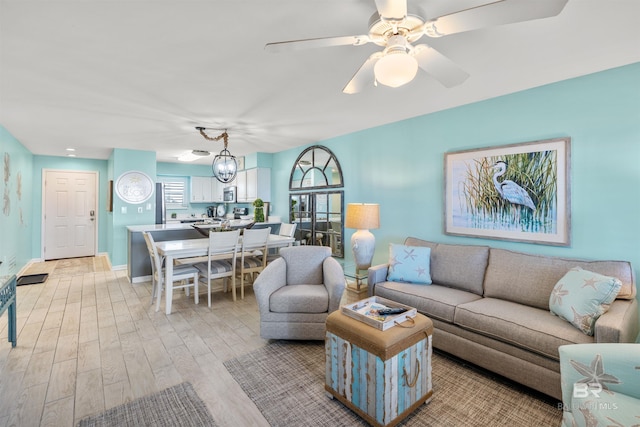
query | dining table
[172, 250]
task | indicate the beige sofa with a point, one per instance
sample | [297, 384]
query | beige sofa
[491, 307]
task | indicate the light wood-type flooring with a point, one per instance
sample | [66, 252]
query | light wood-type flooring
[89, 340]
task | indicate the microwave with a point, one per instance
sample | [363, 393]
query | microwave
[229, 194]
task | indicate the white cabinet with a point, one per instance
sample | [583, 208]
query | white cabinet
[217, 188]
[241, 186]
[254, 184]
[205, 189]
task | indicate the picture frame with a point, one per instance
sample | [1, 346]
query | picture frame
[517, 192]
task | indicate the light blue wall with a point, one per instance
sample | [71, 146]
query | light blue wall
[401, 167]
[16, 217]
[125, 214]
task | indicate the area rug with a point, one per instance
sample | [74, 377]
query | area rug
[285, 380]
[176, 406]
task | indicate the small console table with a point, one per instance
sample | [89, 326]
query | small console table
[8, 301]
[358, 282]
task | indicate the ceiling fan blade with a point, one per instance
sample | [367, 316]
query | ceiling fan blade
[439, 66]
[493, 14]
[363, 76]
[392, 10]
[315, 43]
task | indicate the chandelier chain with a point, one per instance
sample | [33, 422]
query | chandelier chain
[224, 136]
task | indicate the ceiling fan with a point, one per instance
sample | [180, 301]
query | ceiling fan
[396, 30]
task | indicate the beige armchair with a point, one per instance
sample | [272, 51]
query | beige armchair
[297, 292]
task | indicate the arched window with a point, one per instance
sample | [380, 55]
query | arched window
[316, 167]
[318, 213]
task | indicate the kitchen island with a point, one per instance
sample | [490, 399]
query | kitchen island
[138, 262]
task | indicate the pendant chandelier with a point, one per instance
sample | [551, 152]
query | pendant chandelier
[225, 165]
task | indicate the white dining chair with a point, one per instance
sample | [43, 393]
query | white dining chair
[253, 258]
[221, 260]
[286, 230]
[186, 274]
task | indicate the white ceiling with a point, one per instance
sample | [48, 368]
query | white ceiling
[96, 75]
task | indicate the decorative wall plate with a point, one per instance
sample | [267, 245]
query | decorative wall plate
[134, 187]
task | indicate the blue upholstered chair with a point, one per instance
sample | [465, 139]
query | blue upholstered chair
[600, 384]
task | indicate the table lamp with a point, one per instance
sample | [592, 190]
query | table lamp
[363, 217]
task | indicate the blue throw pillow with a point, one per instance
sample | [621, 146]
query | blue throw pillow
[581, 296]
[409, 264]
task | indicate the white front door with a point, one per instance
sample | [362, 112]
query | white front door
[69, 224]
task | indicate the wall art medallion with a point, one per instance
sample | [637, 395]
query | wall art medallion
[134, 187]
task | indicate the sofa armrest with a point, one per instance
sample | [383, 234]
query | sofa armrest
[272, 278]
[616, 366]
[377, 274]
[619, 323]
[334, 282]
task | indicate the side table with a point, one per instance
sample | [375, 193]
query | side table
[8, 302]
[356, 279]
[382, 376]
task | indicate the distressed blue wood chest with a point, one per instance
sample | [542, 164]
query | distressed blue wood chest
[382, 376]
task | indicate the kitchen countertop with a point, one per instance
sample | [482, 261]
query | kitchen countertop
[179, 226]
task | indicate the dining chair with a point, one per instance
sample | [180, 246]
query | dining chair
[286, 230]
[253, 258]
[221, 260]
[181, 273]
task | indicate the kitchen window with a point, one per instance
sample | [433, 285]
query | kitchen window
[175, 191]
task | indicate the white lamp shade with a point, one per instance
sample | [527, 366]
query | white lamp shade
[395, 69]
[363, 216]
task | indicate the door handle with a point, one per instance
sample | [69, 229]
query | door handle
[92, 212]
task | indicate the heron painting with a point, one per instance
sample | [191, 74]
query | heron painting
[515, 192]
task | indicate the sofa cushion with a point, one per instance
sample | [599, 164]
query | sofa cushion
[527, 327]
[529, 279]
[456, 266]
[300, 299]
[409, 264]
[582, 296]
[438, 302]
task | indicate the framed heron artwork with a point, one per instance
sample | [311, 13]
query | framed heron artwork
[517, 192]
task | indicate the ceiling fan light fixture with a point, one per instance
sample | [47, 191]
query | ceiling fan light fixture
[395, 68]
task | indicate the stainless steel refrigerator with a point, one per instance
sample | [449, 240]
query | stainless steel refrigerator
[161, 210]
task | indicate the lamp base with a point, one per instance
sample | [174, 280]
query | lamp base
[363, 243]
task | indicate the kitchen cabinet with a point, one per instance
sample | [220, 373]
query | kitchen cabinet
[200, 189]
[206, 189]
[254, 184]
[241, 186]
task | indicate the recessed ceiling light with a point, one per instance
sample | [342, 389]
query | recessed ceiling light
[71, 149]
[71, 155]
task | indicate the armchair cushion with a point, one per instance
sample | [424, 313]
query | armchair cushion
[300, 299]
[304, 264]
[600, 384]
